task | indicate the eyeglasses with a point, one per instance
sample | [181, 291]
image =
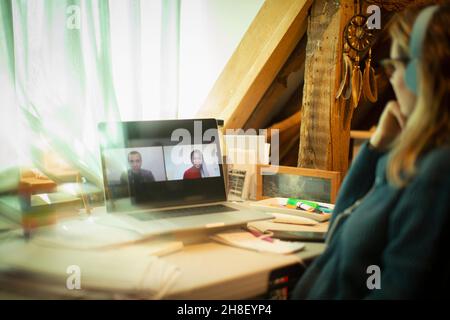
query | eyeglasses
[390, 65]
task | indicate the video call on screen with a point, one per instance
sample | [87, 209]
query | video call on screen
[154, 167]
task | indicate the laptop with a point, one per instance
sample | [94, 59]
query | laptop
[167, 175]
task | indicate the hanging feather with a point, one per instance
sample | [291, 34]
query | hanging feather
[348, 91]
[344, 78]
[356, 85]
[370, 87]
[345, 86]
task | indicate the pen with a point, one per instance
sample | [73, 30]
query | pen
[261, 236]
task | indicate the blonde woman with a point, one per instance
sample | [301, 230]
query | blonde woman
[390, 232]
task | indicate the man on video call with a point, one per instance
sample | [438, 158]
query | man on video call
[135, 174]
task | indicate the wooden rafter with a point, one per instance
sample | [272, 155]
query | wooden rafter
[270, 105]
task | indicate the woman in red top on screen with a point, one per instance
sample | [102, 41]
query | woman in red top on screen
[198, 170]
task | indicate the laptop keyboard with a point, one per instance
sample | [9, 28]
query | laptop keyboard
[183, 212]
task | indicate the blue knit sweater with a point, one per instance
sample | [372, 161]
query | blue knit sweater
[403, 232]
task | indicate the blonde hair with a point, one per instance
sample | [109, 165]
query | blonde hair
[428, 126]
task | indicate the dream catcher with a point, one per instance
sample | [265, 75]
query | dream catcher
[357, 34]
[358, 39]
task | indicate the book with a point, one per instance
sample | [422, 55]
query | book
[12, 206]
[289, 231]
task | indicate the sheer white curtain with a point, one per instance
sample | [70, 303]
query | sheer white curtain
[66, 65]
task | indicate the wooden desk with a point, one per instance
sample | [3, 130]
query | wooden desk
[215, 271]
[210, 270]
[232, 273]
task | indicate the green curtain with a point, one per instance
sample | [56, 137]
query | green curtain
[67, 65]
[8, 111]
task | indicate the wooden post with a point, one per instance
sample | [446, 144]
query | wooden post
[324, 137]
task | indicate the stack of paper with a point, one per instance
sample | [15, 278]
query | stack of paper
[49, 272]
[247, 240]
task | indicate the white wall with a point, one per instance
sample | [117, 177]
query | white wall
[210, 32]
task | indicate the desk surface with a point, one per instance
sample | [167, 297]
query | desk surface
[210, 270]
[215, 271]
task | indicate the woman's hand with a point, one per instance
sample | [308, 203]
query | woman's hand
[389, 127]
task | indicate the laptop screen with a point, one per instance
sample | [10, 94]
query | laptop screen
[156, 164]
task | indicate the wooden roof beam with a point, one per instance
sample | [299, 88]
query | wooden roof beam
[272, 101]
